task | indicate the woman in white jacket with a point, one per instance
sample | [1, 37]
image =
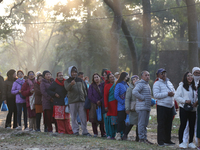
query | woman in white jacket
[186, 93]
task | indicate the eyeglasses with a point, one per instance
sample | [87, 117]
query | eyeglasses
[31, 74]
[162, 73]
[189, 75]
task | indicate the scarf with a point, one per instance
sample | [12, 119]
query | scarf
[95, 86]
[60, 83]
[31, 83]
[38, 83]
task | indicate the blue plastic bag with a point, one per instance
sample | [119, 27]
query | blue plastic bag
[99, 115]
[4, 107]
[127, 121]
[153, 102]
[66, 101]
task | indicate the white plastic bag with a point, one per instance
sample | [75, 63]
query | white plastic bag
[32, 101]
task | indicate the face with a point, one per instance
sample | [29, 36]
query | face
[111, 78]
[162, 75]
[47, 76]
[196, 73]
[31, 75]
[96, 79]
[20, 75]
[60, 76]
[81, 76]
[117, 76]
[74, 74]
[127, 78]
[146, 76]
[40, 79]
[14, 75]
[105, 76]
[189, 78]
[135, 80]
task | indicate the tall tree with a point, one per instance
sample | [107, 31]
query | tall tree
[146, 44]
[192, 34]
[115, 29]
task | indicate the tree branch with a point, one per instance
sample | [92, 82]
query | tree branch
[15, 6]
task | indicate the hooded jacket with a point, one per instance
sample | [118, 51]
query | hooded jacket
[17, 85]
[76, 93]
[181, 95]
[160, 92]
[142, 91]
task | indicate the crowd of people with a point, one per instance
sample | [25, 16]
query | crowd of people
[114, 102]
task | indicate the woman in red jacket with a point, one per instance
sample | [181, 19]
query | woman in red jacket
[110, 104]
[27, 90]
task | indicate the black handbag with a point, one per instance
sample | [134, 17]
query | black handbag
[188, 107]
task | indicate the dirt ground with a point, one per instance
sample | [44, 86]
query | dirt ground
[8, 134]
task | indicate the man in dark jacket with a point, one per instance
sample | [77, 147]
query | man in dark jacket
[76, 91]
[1, 88]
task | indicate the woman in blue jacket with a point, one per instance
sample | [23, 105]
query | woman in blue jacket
[120, 94]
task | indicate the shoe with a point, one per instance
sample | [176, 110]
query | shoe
[8, 127]
[103, 136]
[161, 145]
[95, 135]
[142, 141]
[148, 142]
[191, 145]
[38, 130]
[19, 128]
[108, 137]
[77, 134]
[45, 130]
[169, 143]
[27, 129]
[30, 130]
[118, 136]
[87, 134]
[183, 145]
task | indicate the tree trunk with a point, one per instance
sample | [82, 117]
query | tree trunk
[146, 43]
[116, 26]
[192, 34]
[131, 47]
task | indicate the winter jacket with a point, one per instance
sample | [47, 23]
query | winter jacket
[93, 95]
[38, 94]
[17, 85]
[7, 86]
[76, 93]
[1, 87]
[109, 101]
[181, 95]
[160, 92]
[46, 98]
[142, 91]
[60, 90]
[133, 116]
[120, 93]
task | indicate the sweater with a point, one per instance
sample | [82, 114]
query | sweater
[181, 95]
[120, 93]
[108, 102]
[17, 85]
[142, 91]
[160, 92]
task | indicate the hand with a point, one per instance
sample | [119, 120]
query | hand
[5, 101]
[127, 111]
[51, 100]
[57, 95]
[188, 101]
[195, 104]
[139, 100]
[171, 94]
[73, 82]
[106, 109]
[99, 103]
[19, 91]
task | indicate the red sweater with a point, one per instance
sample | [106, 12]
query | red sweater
[112, 106]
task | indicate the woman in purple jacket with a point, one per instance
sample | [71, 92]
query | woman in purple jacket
[96, 97]
[20, 100]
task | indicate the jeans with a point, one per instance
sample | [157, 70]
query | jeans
[21, 106]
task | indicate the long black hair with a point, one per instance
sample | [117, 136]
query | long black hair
[121, 77]
[185, 82]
